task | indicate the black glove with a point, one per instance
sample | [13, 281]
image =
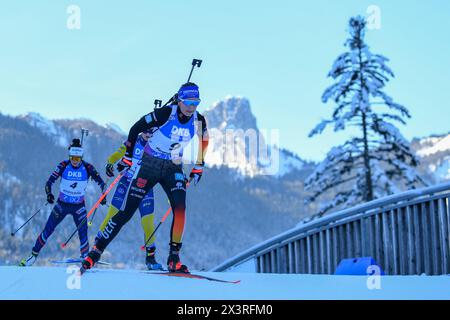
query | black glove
[109, 170]
[124, 163]
[103, 202]
[50, 198]
[196, 174]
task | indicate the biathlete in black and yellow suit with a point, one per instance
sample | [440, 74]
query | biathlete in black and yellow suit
[173, 127]
[146, 206]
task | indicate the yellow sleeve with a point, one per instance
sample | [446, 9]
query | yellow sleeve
[117, 155]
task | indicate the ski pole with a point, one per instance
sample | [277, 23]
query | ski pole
[84, 132]
[159, 224]
[93, 215]
[14, 233]
[157, 227]
[63, 245]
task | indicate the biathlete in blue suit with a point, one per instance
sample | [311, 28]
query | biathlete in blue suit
[74, 174]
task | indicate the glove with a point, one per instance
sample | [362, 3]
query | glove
[103, 202]
[196, 174]
[50, 198]
[109, 170]
[124, 163]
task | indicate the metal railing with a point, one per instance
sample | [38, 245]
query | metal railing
[406, 234]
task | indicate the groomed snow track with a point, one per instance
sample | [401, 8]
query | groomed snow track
[61, 283]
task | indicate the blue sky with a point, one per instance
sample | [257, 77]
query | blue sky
[276, 54]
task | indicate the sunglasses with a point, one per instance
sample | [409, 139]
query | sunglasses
[77, 159]
[189, 102]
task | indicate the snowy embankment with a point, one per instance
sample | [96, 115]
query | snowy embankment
[62, 283]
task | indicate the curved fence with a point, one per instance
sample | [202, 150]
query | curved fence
[406, 234]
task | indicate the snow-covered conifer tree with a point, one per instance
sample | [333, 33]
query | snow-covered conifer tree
[378, 160]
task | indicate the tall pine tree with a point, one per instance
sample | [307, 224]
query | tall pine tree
[378, 161]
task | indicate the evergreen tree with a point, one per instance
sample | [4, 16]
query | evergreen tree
[377, 161]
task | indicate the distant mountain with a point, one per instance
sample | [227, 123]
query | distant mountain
[238, 143]
[434, 152]
[116, 128]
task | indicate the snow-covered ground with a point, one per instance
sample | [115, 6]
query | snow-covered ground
[62, 283]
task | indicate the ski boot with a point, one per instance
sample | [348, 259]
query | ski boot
[173, 261]
[83, 255]
[150, 260]
[28, 262]
[92, 258]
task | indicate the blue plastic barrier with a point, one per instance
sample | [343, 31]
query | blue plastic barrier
[358, 267]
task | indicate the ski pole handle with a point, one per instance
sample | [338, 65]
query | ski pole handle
[84, 132]
[29, 219]
[90, 221]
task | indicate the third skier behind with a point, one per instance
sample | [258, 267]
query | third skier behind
[146, 207]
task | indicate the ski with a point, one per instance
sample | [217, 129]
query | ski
[190, 276]
[176, 274]
[75, 261]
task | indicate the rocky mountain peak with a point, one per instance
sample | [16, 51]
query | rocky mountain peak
[231, 113]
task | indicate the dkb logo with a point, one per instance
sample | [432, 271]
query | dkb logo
[137, 152]
[182, 132]
[72, 174]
